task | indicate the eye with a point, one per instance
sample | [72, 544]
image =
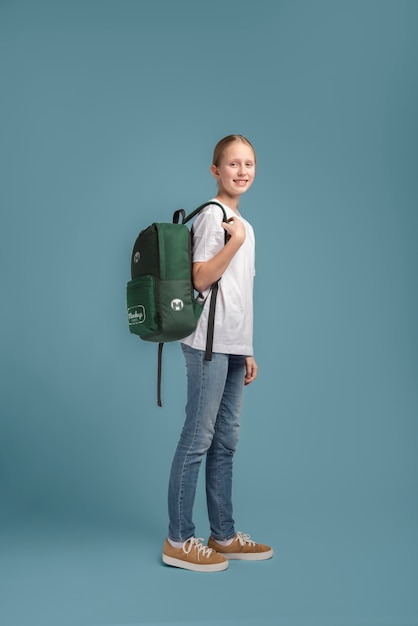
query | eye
[249, 164]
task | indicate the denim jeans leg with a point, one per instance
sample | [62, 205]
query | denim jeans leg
[205, 386]
[219, 459]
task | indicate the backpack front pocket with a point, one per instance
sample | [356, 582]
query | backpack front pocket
[142, 311]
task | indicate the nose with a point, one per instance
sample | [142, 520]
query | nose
[242, 169]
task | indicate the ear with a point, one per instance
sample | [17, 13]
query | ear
[214, 171]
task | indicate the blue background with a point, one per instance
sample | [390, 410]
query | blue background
[110, 111]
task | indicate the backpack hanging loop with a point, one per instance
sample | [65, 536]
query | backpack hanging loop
[177, 214]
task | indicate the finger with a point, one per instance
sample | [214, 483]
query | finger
[250, 376]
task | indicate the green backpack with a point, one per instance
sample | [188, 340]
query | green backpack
[161, 304]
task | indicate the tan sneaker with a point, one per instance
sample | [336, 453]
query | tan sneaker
[242, 548]
[195, 556]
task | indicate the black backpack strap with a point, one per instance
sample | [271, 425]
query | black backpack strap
[211, 322]
[214, 288]
[199, 208]
[160, 361]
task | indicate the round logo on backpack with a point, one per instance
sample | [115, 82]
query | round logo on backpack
[177, 304]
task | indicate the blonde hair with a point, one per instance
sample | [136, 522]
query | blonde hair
[223, 143]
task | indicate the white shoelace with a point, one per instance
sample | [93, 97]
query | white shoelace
[243, 539]
[202, 550]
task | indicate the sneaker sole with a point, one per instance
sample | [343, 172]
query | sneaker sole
[248, 556]
[195, 567]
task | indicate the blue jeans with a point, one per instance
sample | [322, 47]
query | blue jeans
[211, 427]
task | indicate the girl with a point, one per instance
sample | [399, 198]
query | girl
[214, 388]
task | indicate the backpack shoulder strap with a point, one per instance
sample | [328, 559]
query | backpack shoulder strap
[193, 214]
[214, 287]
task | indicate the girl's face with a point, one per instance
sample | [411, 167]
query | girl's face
[235, 172]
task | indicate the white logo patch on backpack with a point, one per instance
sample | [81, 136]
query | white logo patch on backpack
[177, 304]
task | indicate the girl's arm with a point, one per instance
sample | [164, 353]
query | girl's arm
[205, 273]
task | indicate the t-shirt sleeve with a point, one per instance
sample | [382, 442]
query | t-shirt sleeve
[208, 235]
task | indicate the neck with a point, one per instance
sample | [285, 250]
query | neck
[231, 202]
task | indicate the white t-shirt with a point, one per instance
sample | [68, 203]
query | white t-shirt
[233, 331]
